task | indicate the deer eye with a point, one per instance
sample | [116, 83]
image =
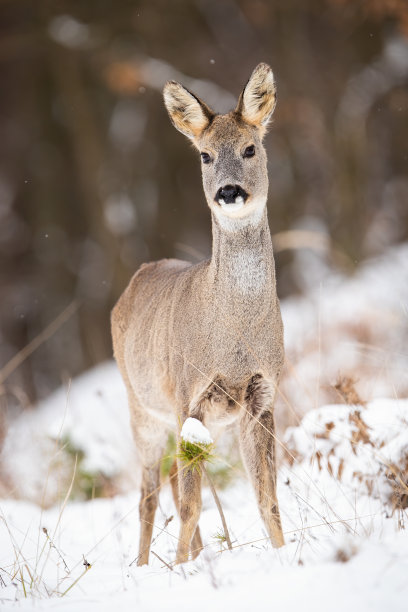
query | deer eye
[205, 157]
[249, 151]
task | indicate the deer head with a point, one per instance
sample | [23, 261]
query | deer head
[233, 158]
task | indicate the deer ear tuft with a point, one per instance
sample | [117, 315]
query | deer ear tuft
[187, 112]
[258, 99]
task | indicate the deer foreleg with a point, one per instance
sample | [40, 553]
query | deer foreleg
[196, 542]
[190, 508]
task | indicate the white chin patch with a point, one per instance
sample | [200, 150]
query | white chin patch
[237, 205]
[234, 216]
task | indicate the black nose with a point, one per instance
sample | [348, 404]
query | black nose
[230, 193]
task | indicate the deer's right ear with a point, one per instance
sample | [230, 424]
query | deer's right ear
[187, 112]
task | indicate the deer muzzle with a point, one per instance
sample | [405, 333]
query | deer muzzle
[231, 196]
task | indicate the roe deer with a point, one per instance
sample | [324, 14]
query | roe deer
[206, 340]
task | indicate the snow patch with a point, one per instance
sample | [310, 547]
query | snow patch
[90, 417]
[195, 432]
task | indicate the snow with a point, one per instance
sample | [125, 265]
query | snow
[345, 547]
[195, 432]
[91, 415]
[341, 481]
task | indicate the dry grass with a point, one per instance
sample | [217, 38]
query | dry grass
[377, 474]
[346, 389]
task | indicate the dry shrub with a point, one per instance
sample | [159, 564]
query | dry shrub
[344, 554]
[397, 476]
[367, 446]
[345, 387]
[361, 431]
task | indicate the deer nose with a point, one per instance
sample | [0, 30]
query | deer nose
[229, 193]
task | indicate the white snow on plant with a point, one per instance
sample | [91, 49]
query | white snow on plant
[195, 432]
[360, 446]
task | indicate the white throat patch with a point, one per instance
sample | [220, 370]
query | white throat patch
[248, 271]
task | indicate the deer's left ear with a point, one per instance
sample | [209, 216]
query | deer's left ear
[258, 99]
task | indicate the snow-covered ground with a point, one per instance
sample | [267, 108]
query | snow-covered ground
[342, 481]
[89, 416]
[347, 546]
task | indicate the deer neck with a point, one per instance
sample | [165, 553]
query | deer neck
[242, 268]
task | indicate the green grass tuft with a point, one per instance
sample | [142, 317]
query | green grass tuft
[86, 485]
[220, 536]
[194, 455]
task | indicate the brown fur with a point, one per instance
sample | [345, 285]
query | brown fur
[206, 340]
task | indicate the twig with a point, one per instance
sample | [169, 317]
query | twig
[87, 568]
[52, 545]
[23, 583]
[162, 560]
[306, 528]
[162, 530]
[220, 510]
[59, 516]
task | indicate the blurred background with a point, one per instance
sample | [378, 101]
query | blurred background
[94, 180]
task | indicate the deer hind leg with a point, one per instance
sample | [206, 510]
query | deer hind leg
[150, 438]
[196, 543]
[257, 440]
